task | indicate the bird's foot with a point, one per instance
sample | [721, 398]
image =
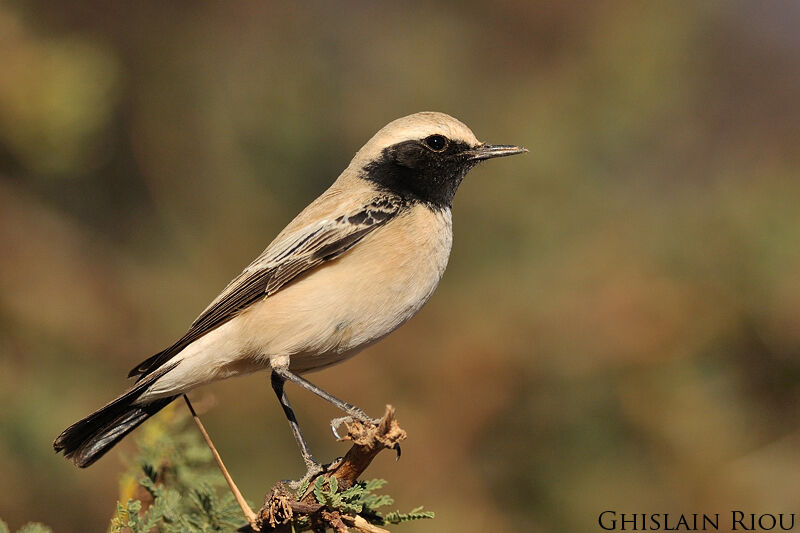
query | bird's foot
[313, 469]
[337, 423]
[362, 417]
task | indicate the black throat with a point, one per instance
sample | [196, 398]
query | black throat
[414, 172]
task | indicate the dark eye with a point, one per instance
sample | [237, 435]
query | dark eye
[436, 142]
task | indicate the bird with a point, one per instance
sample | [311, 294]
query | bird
[353, 266]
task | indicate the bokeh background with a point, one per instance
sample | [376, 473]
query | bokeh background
[619, 327]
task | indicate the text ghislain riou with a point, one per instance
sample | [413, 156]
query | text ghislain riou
[737, 521]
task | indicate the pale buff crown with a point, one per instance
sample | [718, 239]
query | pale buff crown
[416, 126]
[350, 191]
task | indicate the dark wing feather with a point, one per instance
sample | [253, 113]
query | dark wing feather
[280, 263]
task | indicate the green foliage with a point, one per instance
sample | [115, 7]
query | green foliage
[415, 514]
[360, 499]
[31, 527]
[172, 485]
[174, 473]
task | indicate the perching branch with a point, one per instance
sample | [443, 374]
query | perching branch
[281, 507]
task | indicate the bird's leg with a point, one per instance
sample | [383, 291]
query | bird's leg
[352, 411]
[312, 467]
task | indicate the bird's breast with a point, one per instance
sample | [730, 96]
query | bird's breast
[355, 300]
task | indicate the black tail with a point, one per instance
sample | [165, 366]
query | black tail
[85, 441]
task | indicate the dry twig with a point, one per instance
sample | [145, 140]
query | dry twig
[237, 494]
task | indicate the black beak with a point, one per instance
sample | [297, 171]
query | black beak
[488, 151]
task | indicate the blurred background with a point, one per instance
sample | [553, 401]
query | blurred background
[619, 327]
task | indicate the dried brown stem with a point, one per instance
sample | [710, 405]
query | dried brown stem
[248, 512]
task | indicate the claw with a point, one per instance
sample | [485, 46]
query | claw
[396, 447]
[336, 423]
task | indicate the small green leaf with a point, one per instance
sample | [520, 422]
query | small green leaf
[353, 492]
[318, 493]
[302, 489]
[374, 484]
[380, 500]
[417, 513]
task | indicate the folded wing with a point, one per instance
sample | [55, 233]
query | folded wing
[284, 260]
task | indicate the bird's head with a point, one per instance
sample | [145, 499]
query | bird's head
[424, 157]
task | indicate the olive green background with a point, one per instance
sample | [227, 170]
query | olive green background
[619, 327]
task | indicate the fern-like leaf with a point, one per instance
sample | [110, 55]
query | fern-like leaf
[417, 513]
